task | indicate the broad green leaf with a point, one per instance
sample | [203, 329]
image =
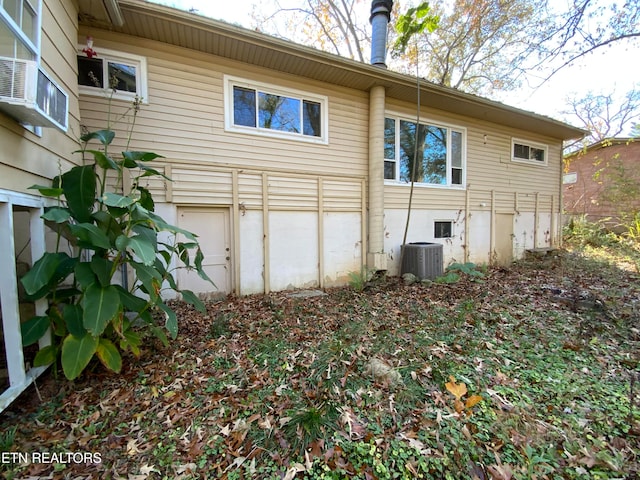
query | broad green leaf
[91, 236]
[33, 329]
[140, 156]
[151, 172]
[72, 315]
[109, 355]
[171, 320]
[101, 305]
[160, 335]
[171, 281]
[143, 250]
[130, 302]
[190, 297]
[77, 353]
[145, 272]
[84, 275]
[198, 263]
[162, 225]
[56, 214]
[44, 271]
[102, 267]
[105, 137]
[55, 192]
[79, 185]
[149, 234]
[146, 200]
[131, 341]
[103, 161]
[165, 255]
[57, 322]
[46, 356]
[114, 200]
[107, 221]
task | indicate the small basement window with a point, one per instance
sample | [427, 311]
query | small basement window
[443, 229]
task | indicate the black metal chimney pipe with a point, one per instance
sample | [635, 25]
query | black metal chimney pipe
[380, 16]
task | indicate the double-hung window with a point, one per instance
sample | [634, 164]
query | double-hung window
[440, 153]
[528, 152]
[270, 110]
[118, 73]
[27, 92]
[20, 29]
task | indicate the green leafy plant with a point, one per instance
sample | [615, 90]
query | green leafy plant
[91, 312]
[358, 280]
[455, 271]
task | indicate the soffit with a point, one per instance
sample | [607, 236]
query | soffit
[183, 29]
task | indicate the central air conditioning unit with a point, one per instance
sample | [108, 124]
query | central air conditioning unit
[30, 96]
[423, 259]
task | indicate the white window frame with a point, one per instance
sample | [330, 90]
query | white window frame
[34, 46]
[428, 122]
[231, 81]
[137, 61]
[530, 144]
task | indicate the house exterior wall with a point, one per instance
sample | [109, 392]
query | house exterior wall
[299, 209]
[32, 156]
[496, 186]
[26, 158]
[294, 205]
[589, 174]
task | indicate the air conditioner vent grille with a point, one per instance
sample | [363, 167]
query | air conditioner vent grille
[424, 260]
[13, 78]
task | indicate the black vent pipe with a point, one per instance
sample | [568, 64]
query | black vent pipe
[380, 16]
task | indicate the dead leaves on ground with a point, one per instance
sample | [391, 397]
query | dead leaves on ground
[228, 395]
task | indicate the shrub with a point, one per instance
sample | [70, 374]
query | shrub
[109, 229]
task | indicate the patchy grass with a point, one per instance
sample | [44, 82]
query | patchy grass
[527, 373]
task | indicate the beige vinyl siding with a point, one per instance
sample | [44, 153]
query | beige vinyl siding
[28, 158]
[488, 169]
[184, 119]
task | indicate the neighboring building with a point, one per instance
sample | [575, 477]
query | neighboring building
[601, 180]
[290, 163]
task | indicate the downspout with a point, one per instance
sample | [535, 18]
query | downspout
[376, 257]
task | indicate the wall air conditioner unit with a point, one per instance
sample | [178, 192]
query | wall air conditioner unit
[30, 96]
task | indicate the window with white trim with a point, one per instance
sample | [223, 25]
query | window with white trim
[528, 152]
[27, 92]
[20, 29]
[271, 110]
[441, 153]
[123, 74]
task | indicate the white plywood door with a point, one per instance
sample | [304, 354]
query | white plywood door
[504, 238]
[211, 225]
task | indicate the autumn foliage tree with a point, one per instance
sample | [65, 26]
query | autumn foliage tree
[479, 46]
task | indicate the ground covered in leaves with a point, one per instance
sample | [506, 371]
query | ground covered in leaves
[527, 372]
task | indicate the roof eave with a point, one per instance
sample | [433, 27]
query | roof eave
[292, 58]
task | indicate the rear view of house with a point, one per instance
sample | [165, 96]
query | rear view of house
[291, 164]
